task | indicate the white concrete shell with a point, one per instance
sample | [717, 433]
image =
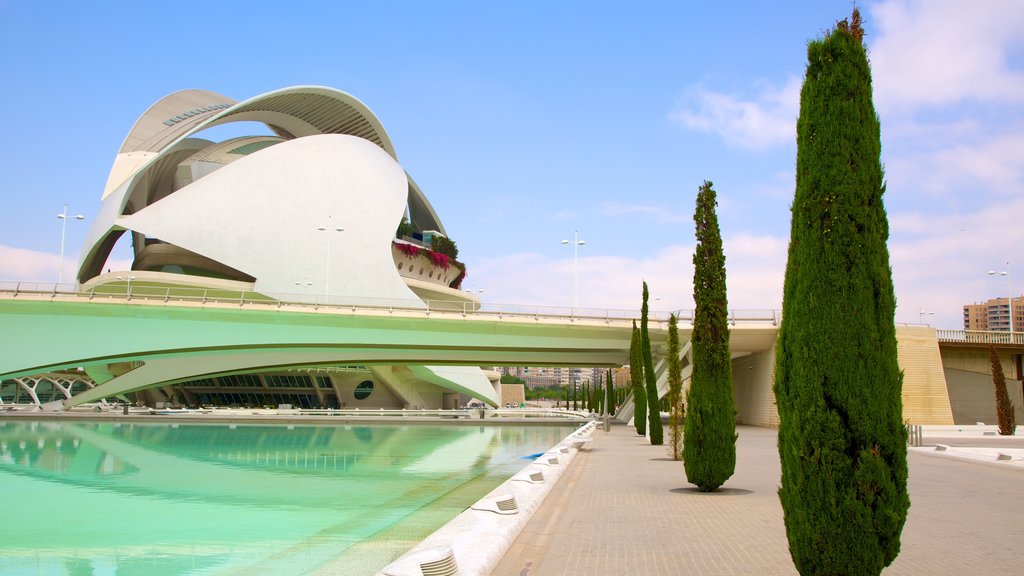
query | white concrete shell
[309, 211]
[162, 139]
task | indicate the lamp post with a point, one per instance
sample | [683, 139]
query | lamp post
[327, 274]
[576, 243]
[921, 313]
[63, 226]
[128, 293]
[1009, 287]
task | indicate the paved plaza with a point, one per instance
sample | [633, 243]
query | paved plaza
[624, 507]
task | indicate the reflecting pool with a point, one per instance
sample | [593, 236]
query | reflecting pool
[106, 498]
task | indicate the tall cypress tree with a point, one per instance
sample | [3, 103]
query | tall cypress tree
[1004, 407]
[609, 393]
[675, 391]
[709, 453]
[653, 400]
[636, 380]
[842, 443]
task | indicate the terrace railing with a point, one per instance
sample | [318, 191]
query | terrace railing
[208, 297]
[980, 337]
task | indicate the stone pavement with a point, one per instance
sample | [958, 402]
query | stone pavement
[624, 507]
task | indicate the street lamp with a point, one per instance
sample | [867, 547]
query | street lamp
[576, 243]
[921, 313]
[328, 228]
[63, 225]
[128, 294]
[1009, 287]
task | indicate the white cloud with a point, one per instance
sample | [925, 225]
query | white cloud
[755, 124]
[945, 52]
[992, 168]
[939, 261]
[754, 266]
[31, 265]
[23, 265]
[659, 214]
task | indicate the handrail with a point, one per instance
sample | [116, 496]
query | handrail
[980, 337]
[208, 297]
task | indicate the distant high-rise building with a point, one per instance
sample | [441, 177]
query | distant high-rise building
[994, 315]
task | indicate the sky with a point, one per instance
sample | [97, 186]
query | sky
[526, 122]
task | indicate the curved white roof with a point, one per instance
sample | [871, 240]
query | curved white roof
[164, 137]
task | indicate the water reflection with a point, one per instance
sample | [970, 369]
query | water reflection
[221, 498]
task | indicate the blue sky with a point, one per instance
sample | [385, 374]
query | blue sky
[523, 122]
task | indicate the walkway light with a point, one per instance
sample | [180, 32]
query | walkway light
[921, 313]
[329, 228]
[63, 225]
[129, 290]
[1009, 288]
[576, 243]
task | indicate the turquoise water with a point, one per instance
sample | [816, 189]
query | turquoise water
[84, 498]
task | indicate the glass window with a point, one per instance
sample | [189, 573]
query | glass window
[363, 390]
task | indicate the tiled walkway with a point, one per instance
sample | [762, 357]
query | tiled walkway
[625, 508]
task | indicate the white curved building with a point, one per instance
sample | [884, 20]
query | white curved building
[306, 212]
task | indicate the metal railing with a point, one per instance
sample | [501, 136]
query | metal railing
[389, 413]
[186, 296]
[980, 337]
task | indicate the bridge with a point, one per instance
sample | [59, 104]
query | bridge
[150, 337]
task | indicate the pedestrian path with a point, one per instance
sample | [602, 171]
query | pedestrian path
[624, 507]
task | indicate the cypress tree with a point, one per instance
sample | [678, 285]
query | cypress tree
[1004, 408]
[610, 389]
[675, 391]
[586, 397]
[636, 381]
[842, 443]
[653, 400]
[709, 453]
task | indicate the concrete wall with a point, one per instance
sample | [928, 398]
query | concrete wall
[976, 359]
[752, 378]
[381, 397]
[973, 397]
[513, 393]
[925, 397]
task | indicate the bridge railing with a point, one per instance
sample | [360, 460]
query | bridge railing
[128, 292]
[980, 337]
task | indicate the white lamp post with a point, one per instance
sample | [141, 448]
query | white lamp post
[63, 225]
[128, 293]
[921, 313]
[1008, 287]
[329, 229]
[576, 243]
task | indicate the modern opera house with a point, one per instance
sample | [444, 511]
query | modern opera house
[315, 210]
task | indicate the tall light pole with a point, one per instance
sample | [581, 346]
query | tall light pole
[1008, 287]
[128, 292]
[576, 243]
[63, 226]
[921, 313]
[329, 229]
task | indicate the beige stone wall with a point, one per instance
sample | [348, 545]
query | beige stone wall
[514, 393]
[752, 378]
[925, 398]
